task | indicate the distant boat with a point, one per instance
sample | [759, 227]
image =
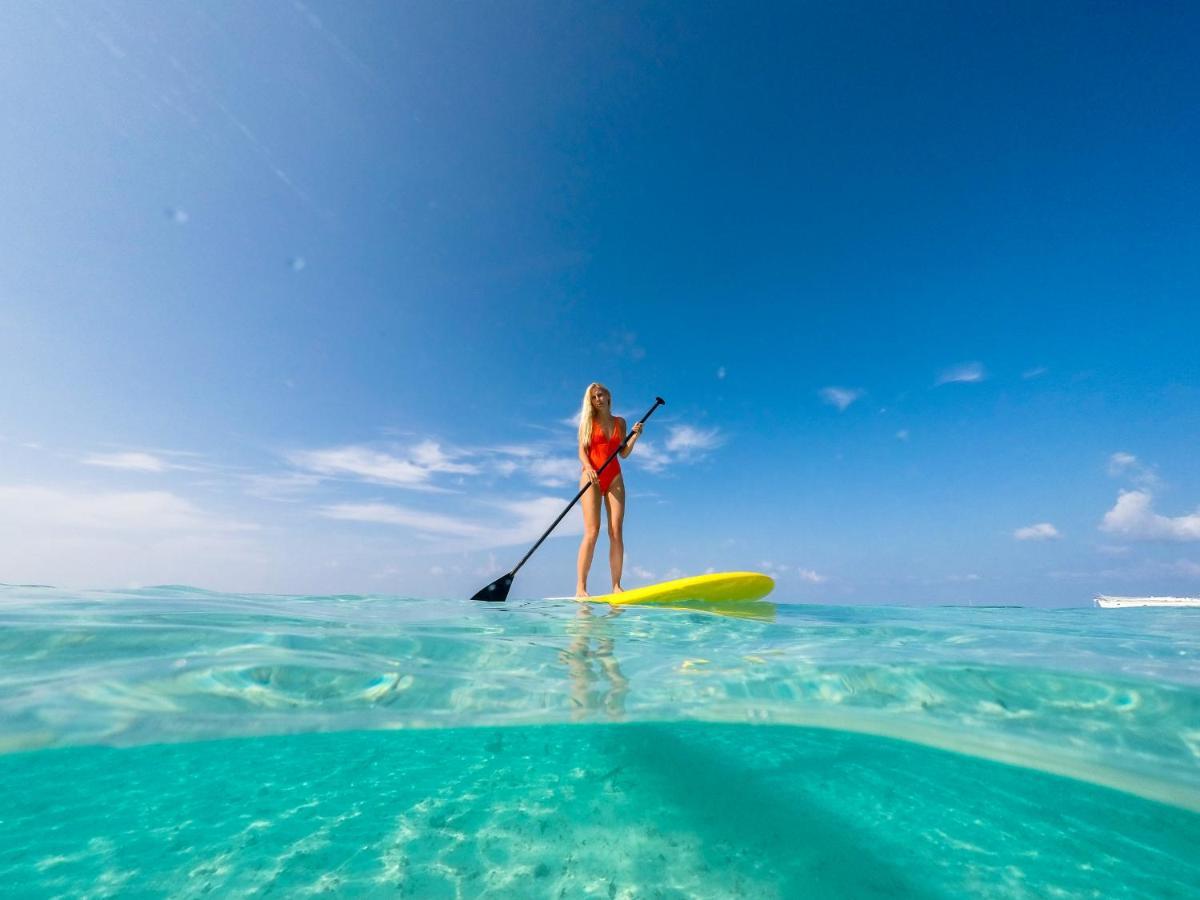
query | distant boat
[1117, 602]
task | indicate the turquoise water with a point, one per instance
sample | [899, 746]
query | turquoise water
[175, 742]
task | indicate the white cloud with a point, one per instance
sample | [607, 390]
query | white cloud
[1043, 531]
[721, 373]
[543, 466]
[520, 451]
[840, 397]
[1035, 372]
[683, 444]
[417, 520]
[529, 518]
[810, 575]
[1119, 462]
[430, 456]
[554, 471]
[684, 440]
[902, 434]
[287, 486]
[624, 344]
[1133, 518]
[965, 373]
[108, 511]
[650, 457]
[414, 470]
[101, 538]
[361, 462]
[520, 521]
[1126, 465]
[131, 461]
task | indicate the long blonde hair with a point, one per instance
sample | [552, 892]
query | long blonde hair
[587, 413]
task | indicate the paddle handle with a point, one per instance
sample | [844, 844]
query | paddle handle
[658, 401]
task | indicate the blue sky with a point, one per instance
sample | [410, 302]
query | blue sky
[302, 297]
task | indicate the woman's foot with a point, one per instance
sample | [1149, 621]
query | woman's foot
[581, 591]
[617, 589]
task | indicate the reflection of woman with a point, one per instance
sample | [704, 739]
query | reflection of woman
[600, 434]
[579, 655]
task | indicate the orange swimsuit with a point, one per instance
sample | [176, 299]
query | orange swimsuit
[601, 448]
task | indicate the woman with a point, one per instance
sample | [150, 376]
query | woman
[600, 433]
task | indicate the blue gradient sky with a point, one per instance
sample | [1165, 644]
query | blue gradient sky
[302, 297]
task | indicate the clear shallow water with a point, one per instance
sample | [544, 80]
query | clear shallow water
[180, 742]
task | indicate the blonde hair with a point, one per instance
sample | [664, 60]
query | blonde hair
[586, 414]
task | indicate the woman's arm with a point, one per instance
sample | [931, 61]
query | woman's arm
[637, 431]
[587, 466]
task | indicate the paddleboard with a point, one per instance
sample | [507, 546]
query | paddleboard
[719, 587]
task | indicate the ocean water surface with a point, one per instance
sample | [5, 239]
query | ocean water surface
[178, 742]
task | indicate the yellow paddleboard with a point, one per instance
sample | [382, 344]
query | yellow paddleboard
[720, 587]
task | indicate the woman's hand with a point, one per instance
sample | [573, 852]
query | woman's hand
[628, 448]
[592, 476]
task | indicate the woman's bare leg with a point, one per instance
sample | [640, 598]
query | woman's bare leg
[614, 502]
[590, 504]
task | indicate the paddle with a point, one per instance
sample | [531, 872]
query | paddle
[497, 591]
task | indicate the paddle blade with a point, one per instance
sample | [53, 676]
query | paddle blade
[497, 591]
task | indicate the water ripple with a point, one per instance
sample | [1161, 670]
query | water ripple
[1106, 696]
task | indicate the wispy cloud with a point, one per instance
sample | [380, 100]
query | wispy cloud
[110, 510]
[777, 569]
[391, 514]
[683, 444]
[413, 469]
[430, 456]
[364, 463]
[543, 464]
[89, 538]
[1119, 462]
[1133, 518]
[840, 397]
[517, 522]
[530, 517]
[554, 471]
[1035, 372]
[1126, 465]
[965, 374]
[685, 440]
[652, 457]
[625, 344]
[131, 461]
[288, 486]
[1043, 531]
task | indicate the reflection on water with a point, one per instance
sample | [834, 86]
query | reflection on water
[1109, 699]
[601, 686]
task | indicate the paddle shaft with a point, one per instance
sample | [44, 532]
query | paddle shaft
[658, 401]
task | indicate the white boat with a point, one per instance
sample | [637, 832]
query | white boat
[1118, 602]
